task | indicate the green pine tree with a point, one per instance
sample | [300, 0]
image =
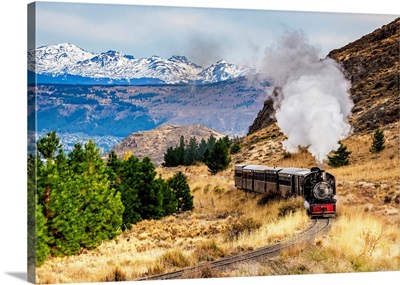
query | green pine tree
[169, 203]
[47, 146]
[64, 219]
[219, 158]
[150, 196]
[235, 148]
[171, 157]
[42, 237]
[129, 191]
[206, 155]
[38, 237]
[181, 189]
[192, 151]
[114, 168]
[211, 142]
[102, 206]
[340, 157]
[378, 141]
[202, 149]
[79, 207]
[76, 158]
[181, 151]
[228, 141]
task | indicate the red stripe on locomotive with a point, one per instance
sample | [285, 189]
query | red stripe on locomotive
[322, 208]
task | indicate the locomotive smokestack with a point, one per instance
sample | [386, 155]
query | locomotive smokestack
[313, 104]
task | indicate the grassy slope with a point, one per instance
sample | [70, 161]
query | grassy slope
[227, 221]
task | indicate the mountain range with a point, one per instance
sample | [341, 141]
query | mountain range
[69, 64]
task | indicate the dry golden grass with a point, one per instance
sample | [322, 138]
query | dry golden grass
[153, 247]
[358, 234]
[365, 236]
[227, 221]
[357, 242]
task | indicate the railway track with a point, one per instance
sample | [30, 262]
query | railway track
[316, 228]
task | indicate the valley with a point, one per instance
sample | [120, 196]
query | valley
[117, 111]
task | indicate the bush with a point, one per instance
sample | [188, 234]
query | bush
[378, 142]
[235, 148]
[174, 258]
[340, 157]
[245, 225]
[265, 199]
[208, 251]
[290, 207]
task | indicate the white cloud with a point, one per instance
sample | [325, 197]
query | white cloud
[239, 36]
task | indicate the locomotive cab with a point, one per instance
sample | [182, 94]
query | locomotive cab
[319, 193]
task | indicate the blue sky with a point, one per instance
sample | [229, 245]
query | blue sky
[204, 35]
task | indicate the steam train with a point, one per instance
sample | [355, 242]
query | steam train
[316, 186]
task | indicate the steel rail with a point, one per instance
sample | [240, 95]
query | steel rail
[315, 227]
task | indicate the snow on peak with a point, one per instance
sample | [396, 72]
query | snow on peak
[221, 71]
[69, 59]
[179, 58]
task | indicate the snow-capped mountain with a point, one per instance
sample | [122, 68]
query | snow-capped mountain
[221, 71]
[69, 62]
[56, 59]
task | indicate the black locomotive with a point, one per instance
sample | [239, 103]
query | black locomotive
[316, 186]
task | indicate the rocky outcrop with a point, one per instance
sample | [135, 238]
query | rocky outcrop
[265, 117]
[371, 63]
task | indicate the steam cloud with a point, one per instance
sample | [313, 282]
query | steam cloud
[312, 105]
[205, 50]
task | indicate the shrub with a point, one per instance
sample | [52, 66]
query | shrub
[340, 157]
[174, 258]
[208, 251]
[244, 225]
[290, 207]
[265, 199]
[235, 148]
[378, 142]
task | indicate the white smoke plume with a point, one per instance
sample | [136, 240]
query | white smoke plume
[313, 105]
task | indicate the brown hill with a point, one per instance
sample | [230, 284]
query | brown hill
[371, 63]
[154, 143]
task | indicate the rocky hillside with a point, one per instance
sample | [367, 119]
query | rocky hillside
[371, 63]
[265, 117]
[154, 143]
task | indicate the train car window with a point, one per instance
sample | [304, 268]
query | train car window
[285, 180]
[259, 176]
[271, 177]
[246, 175]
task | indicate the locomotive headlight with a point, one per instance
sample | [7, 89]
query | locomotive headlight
[322, 190]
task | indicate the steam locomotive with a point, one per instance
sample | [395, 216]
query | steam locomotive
[316, 186]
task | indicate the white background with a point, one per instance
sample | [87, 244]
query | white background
[13, 133]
